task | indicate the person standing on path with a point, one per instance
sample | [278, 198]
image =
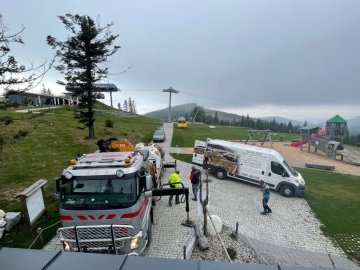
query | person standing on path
[195, 178]
[266, 196]
[174, 180]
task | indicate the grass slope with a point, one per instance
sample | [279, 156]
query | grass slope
[187, 137]
[54, 137]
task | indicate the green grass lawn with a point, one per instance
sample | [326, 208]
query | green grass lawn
[43, 145]
[334, 199]
[187, 137]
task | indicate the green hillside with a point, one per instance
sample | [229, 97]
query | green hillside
[176, 111]
[39, 145]
[187, 137]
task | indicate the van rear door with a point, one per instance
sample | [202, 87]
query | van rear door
[198, 152]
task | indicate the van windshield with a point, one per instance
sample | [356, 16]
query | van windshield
[289, 168]
[100, 193]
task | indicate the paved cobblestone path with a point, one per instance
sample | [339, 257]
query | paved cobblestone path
[169, 236]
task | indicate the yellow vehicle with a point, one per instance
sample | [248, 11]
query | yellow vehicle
[181, 122]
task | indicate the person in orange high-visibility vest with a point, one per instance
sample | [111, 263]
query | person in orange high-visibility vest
[174, 180]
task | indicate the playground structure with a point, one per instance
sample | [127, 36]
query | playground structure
[323, 141]
[267, 136]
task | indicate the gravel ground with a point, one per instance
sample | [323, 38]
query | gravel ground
[298, 158]
[244, 253]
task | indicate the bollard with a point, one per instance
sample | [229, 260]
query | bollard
[184, 252]
[41, 238]
[237, 228]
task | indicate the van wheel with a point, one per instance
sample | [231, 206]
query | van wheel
[149, 234]
[287, 191]
[220, 173]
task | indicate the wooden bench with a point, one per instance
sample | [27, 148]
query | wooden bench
[320, 166]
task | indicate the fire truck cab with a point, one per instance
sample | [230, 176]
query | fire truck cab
[105, 202]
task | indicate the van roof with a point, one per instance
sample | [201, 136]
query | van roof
[241, 146]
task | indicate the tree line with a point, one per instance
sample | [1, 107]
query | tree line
[199, 114]
[128, 106]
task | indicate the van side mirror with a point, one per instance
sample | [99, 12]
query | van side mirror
[148, 183]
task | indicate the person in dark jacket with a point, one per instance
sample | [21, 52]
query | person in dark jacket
[266, 196]
[195, 175]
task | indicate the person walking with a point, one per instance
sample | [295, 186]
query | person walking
[195, 178]
[266, 196]
[174, 180]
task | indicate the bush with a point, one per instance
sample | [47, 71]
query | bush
[109, 123]
[21, 133]
[6, 120]
[231, 252]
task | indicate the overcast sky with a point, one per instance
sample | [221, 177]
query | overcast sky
[296, 59]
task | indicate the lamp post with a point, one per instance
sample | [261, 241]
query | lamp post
[170, 91]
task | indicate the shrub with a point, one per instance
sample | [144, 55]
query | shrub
[231, 252]
[6, 120]
[109, 123]
[21, 133]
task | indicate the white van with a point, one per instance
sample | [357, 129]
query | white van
[249, 163]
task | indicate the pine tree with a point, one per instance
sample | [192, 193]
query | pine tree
[290, 127]
[216, 118]
[125, 106]
[83, 58]
[119, 106]
[134, 107]
[130, 106]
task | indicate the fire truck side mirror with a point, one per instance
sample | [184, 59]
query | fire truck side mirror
[148, 183]
[57, 185]
[148, 194]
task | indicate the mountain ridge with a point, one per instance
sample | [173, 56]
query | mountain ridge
[183, 109]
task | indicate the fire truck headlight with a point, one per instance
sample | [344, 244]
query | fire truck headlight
[68, 175]
[134, 243]
[66, 246]
[119, 173]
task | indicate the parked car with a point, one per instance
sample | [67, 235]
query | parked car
[159, 136]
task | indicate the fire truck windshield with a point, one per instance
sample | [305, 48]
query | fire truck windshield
[102, 192]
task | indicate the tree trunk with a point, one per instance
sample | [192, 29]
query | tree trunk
[91, 117]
